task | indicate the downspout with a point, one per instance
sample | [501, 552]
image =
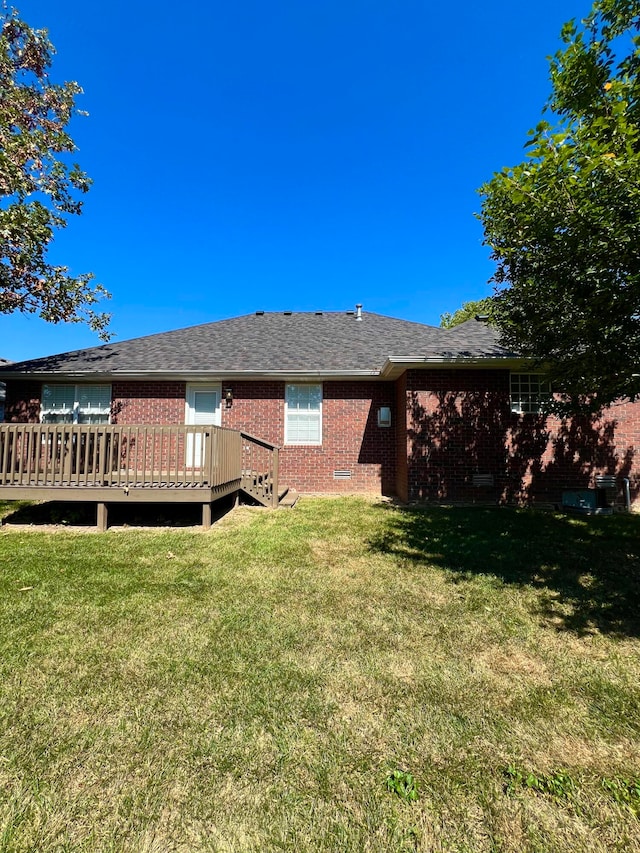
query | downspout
[627, 493]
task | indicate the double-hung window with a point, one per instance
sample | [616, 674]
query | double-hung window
[529, 392]
[76, 404]
[303, 414]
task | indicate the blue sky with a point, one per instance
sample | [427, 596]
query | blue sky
[287, 155]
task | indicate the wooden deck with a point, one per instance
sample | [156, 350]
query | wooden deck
[110, 463]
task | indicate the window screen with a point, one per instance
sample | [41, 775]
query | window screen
[76, 404]
[58, 404]
[303, 414]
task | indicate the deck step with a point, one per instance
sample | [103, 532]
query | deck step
[288, 499]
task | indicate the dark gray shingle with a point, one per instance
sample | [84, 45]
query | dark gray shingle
[267, 342]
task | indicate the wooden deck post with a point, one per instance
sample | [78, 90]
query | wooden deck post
[206, 516]
[102, 517]
[275, 475]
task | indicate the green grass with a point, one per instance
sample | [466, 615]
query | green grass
[348, 676]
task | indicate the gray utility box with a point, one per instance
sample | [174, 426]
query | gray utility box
[587, 501]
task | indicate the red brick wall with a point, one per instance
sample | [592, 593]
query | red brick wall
[131, 402]
[351, 438]
[459, 423]
[257, 408]
[22, 404]
[446, 426]
[402, 467]
[148, 402]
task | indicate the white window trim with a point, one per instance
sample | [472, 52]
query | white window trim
[75, 411]
[293, 442]
[537, 398]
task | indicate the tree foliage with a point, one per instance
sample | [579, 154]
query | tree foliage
[564, 225]
[467, 311]
[39, 187]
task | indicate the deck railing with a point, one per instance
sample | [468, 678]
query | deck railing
[260, 463]
[129, 456]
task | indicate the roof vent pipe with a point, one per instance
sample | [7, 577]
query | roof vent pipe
[359, 312]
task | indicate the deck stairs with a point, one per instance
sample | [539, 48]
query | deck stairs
[260, 469]
[258, 488]
[288, 498]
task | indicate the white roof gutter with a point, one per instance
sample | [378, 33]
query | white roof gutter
[187, 375]
[395, 365]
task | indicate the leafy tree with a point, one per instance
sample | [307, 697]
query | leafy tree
[564, 225]
[467, 311]
[39, 188]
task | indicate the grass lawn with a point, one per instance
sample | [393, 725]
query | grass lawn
[346, 676]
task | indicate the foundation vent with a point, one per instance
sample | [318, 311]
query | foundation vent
[606, 481]
[342, 475]
[480, 480]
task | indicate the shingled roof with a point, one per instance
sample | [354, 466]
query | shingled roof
[268, 343]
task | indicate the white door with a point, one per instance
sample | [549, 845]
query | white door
[203, 407]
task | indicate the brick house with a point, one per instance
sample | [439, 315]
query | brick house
[357, 402]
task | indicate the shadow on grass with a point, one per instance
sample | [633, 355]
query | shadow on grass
[120, 515]
[587, 568]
